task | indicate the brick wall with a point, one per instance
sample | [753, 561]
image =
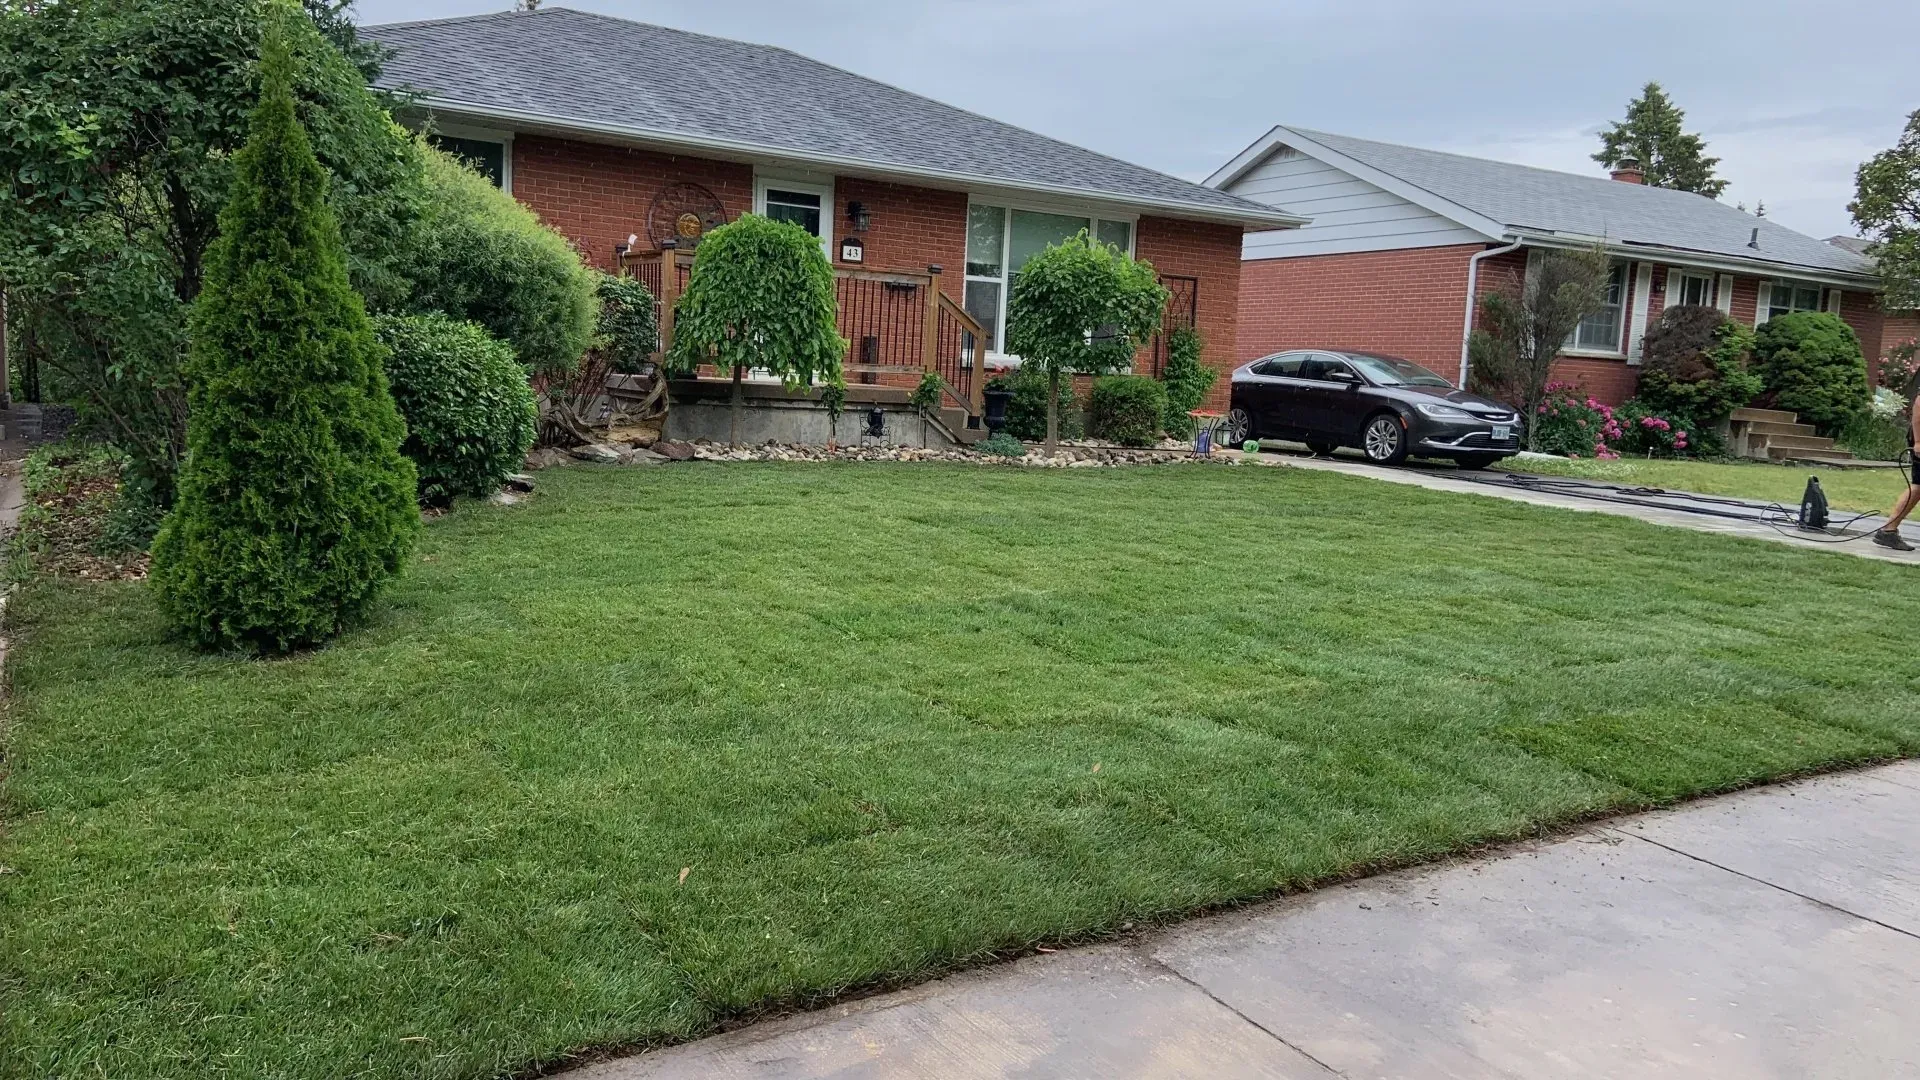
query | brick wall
[597, 196]
[913, 228]
[1406, 303]
[1210, 253]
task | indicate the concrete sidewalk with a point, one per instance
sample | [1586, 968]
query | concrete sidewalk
[1774, 933]
[1447, 479]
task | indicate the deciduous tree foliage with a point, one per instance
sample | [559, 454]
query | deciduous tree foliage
[119, 122]
[1886, 205]
[1081, 307]
[760, 296]
[1653, 134]
[295, 504]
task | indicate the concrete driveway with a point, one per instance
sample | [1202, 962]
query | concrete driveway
[1774, 933]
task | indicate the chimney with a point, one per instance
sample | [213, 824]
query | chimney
[1627, 171]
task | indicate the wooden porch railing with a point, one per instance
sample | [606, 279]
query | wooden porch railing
[898, 324]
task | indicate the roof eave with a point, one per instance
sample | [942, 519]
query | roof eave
[1705, 260]
[1253, 216]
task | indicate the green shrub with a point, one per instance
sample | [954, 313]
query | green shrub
[1573, 424]
[469, 410]
[627, 330]
[1187, 379]
[1027, 409]
[1811, 364]
[490, 261]
[1880, 433]
[1127, 409]
[1649, 431]
[1696, 362]
[926, 396]
[1001, 444]
[295, 505]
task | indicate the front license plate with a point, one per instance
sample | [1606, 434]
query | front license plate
[1502, 432]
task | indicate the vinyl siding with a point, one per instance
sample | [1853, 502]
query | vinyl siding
[1348, 214]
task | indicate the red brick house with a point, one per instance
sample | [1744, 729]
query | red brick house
[1399, 238]
[628, 138]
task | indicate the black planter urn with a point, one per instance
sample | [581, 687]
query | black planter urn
[996, 401]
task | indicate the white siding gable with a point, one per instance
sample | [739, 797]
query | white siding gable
[1349, 214]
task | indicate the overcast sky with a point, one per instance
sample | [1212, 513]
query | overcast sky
[1791, 97]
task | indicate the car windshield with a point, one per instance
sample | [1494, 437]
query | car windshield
[1393, 371]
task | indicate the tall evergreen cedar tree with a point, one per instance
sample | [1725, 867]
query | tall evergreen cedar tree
[295, 505]
[1652, 134]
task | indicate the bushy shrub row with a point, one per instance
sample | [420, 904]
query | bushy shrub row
[1027, 409]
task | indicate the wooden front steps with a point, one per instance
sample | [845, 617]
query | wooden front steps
[1778, 435]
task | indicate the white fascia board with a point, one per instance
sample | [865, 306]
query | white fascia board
[1418, 196]
[680, 142]
[1760, 268]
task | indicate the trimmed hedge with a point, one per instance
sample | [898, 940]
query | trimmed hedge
[1127, 409]
[470, 412]
[492, 262]
[1027, 409]
[1811, 363]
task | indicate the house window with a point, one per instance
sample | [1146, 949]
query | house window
[1000, 240]
[1600, 331]
[484, 156]
[798, 199]
[1786, 297]
[1684, 288]
[799, 207]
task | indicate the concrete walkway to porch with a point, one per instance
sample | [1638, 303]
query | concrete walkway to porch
[1772, 933]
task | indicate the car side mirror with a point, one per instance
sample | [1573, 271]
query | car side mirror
[1347, 377]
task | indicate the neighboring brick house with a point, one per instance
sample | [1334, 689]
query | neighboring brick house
[621, 134]
[1399, 236]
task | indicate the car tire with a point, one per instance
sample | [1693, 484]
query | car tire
[1476, 461]
[1236, 429]
[1321, 449]
[1384, 439]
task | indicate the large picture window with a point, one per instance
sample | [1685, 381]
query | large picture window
[1600, 331]
[1001, 239]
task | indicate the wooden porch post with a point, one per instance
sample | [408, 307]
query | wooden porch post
[930, 334]
[669, 293]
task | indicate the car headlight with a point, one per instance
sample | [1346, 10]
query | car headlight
[1444, 412]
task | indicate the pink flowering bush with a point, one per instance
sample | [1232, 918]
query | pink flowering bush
[1649, 432]
[1575, 425]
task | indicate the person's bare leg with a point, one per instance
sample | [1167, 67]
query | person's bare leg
[1903, 507]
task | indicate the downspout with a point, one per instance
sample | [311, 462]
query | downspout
[1473, 288]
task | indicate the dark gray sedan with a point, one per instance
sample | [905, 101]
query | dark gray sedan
[1386, 407]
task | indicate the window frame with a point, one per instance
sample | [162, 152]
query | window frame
[1618, 350]
[1006, 207]
[483, 134]
[806, 184]
[1763, 305]
[1677, 280]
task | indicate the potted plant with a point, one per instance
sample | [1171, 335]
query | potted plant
[997, 395]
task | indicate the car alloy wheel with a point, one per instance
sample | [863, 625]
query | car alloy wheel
[1237, 428]
[1384, 439]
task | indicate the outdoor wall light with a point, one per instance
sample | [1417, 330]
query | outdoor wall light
[861, 217]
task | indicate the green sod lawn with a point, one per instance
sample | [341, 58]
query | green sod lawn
[884, 719]
[1848, 489]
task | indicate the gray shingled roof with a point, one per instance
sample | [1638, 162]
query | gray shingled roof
[1525, 198]
[576, 68]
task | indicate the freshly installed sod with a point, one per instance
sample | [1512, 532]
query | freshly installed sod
[667, 745]
[1856, 489]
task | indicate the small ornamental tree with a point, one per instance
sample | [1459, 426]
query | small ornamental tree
[1811, 364]
[295, 505]
[1081, 307]
[760, 296]
[1521, 333]
[1694, 362]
